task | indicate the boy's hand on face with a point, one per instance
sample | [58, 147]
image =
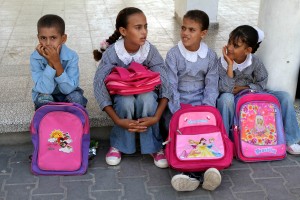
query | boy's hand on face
[52, 56]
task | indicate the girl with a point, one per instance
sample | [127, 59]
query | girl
[240, 69]
[135, 113]
[193, 75]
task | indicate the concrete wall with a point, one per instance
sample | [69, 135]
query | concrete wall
[280, 50]
[210, 7]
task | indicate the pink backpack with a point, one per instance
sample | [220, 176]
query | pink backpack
[258, 129]
[136, 79]
[197, 140]
[60, 135]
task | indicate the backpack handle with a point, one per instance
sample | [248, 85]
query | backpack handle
[122, 72]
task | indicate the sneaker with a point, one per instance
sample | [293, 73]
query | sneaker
[294, 149]
[182, 182]
[212, 179]
[113, 156]
[160, 159]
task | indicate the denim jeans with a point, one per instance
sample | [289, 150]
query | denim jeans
[74, 97]
[225, 104]
[134, 107]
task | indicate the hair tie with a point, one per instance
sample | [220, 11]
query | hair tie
[103, 45]
[261, 35]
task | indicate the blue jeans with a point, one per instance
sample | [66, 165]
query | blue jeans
[225, 104]
[74, 97]
[134, 107]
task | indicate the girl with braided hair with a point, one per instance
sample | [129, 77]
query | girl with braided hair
[133, 114]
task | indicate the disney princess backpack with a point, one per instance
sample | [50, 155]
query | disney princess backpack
[258, 129]
[198, 140]
[60, 135]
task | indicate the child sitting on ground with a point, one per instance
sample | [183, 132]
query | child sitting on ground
[240, 69]
[54, 67]
[132, 114]
[193, 76]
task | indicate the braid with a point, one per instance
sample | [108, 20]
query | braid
[112, 39]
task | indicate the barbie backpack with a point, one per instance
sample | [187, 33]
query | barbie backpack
[60, 136]
[198, 140]
[258, 130]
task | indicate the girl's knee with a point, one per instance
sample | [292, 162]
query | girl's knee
[225, 99]
[124, 105]
[147, 98]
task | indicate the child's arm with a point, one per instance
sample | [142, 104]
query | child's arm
[226, 81]
[211, 91]
[149, 121]
[260, 74]
[52, 56]
[172, 72]
[42, 74]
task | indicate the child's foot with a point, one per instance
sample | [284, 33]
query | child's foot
[212, 179]
[113, 156]
[160, 159]
[294, 149]
[182, 182]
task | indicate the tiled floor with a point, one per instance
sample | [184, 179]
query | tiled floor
[87, 23]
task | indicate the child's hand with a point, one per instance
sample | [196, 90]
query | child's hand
[40, 49]
[147, 121]
[226, 57]
[237, 89]
[52, 55]
[132, 125]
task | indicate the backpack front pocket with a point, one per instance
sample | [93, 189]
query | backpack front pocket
[60, 141]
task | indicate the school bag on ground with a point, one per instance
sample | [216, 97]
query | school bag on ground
[60, 135]
[198, 140]
[258, 129]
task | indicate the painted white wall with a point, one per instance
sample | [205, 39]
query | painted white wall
[280, 50]
[208, 6]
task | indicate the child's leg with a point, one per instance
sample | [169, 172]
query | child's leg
[120, 138]
[151, 140]
[289, 118]
[226, 106]
[43, 99]
[76, 97]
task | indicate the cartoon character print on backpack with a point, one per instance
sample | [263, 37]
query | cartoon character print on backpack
[258, 124]
[58, 137]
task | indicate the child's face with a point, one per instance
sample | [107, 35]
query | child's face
[135, 34]
[238, 51]
[51, 37]
[191, 34]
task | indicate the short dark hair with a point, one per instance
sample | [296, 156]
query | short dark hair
[51, 20]
[199, 16]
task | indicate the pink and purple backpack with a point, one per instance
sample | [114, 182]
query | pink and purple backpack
[60, 135]
[197, 140]
[258, 130]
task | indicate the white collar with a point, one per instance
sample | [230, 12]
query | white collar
[139, 57]
[240, 66]
[192, 55]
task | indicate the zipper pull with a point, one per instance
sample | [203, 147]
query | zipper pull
[179, 131]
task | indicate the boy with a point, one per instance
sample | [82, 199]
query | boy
[54, 67]
[193, 76]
